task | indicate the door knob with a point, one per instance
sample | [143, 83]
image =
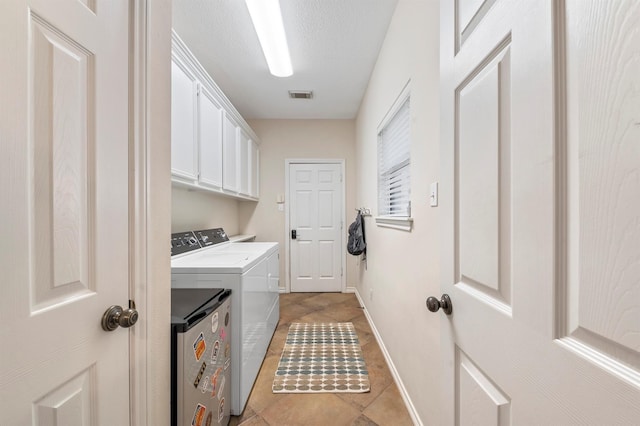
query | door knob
[434, 304]
[115, 317]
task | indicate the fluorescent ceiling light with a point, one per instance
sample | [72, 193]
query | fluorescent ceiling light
[267, 20]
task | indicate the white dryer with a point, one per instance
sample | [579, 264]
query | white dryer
[206, 259]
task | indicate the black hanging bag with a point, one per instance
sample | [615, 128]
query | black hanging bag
[356, 244]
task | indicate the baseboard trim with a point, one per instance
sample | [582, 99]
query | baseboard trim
[394, 372]
[351, 290]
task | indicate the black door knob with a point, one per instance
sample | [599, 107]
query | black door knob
[434, 304]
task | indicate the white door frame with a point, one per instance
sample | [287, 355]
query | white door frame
[149, 162]
[287, 245]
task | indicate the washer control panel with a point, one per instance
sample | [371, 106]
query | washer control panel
[183, 242]
[210, 237]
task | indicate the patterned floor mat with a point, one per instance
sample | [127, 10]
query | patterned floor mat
[321, 358]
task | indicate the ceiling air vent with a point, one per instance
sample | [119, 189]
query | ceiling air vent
[300, 94]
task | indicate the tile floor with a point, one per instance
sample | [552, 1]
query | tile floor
[382, 406]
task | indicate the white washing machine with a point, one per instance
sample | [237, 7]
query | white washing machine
[206, 259]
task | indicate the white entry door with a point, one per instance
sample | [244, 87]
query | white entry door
[541, 210]
[64, 197]
[315, 222]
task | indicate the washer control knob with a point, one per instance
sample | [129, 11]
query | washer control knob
[192, 241]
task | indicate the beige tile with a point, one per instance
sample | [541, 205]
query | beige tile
[362, 400]
[321, 300]
[278, 340]
[365, 338]
[389, 409]
[361, 323]
[341, 312]
[311, 410]
[364, 421]
[261, 395]
[288, 299]
[294, 312]
[379, 377]
[351, 300]
[317, 316]
[246, 414]
[254, 421]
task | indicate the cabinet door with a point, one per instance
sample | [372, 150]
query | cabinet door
[210, 126]
[230, 154]
[254, 187]
[243, 162]
[184, 160]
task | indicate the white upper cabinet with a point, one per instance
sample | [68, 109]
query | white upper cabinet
[254, 187]
[212, 147]
[210, 125]
[230, 151]
[184, 146]
[244, 163]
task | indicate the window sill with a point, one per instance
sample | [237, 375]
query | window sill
[401, 223]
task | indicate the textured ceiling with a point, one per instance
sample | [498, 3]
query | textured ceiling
[333, 44]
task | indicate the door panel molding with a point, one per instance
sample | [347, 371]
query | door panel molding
[594, 145]
[478, 399]
[483, 175]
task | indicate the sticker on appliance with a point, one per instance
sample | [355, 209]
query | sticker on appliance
[205, 384]
[223, 334]
[214, 322]
[209, 418]
[198, 415]
[227, 350]
[221, 410]
[196, 382]
[223, 380]
[227, 363]
[214, 381]
[214, 351]
[226, 319]
[199, 346]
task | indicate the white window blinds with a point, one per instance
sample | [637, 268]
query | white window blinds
[394, 160]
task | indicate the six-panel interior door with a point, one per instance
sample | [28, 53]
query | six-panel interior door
[64, 197]
[315, 212]
[539, 198]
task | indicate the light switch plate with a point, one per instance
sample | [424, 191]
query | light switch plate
[433, 195]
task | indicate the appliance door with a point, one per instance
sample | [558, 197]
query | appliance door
[204, 370]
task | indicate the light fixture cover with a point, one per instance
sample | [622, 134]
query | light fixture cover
[267, 20]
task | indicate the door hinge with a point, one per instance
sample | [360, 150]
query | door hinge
[341, 271]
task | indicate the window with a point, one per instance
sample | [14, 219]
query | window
[394, 165]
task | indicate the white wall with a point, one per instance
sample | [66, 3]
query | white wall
[403, 267]
[192, 210]
[282, 139]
